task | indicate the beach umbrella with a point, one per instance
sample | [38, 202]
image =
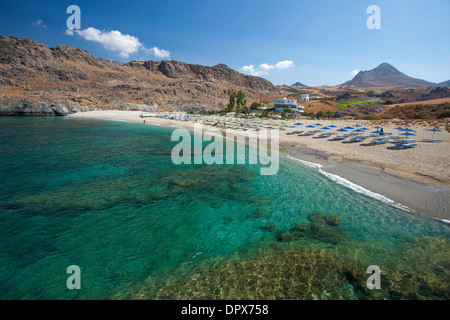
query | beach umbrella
[434, 130]
[349, 128]
[408, 134]
[409, 130]
[358, 126]
[310, 126]
[342, 130]
[298, 124]
[333, 126]
[318, 124]
[326, 128]
[377, 127]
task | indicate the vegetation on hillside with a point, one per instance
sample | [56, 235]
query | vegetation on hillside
[348, 103]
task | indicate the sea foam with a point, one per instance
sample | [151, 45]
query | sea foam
[348, 184]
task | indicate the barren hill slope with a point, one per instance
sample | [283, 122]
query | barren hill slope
[32, 73]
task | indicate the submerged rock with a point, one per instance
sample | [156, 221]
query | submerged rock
[271, 227]
[258, 213]
[322, 227]
[332, 220]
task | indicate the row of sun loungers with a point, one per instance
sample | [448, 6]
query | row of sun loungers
[350, 137]
[353, 137]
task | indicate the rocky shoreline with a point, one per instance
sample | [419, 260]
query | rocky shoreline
[24, 107]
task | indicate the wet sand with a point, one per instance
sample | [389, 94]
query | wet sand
[417, 178]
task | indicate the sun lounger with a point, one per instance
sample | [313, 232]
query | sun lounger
[380, 141]
[357, 139]
[406, 145]
[432, 140]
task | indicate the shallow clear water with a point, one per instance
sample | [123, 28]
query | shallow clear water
[106, 196]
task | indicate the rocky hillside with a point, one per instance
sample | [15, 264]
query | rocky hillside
[36, 79]
[445, 83]
[386, 76]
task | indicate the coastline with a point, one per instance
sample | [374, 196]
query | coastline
[408, 178]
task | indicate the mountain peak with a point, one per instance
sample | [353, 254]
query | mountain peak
[386, 68]
[385, 65]
[385, 75]
[299, 84]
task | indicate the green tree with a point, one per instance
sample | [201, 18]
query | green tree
[255, 105]
[232, 102]
[240, 99]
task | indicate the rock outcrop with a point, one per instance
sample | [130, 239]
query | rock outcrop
[24, 107]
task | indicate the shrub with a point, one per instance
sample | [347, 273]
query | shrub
[255, 105]
[370, 117]
[445, 114]
[421, 115]
[329, 114]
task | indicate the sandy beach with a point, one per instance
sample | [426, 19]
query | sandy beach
[418, 178]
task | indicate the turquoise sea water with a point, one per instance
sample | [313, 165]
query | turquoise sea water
[105, 196]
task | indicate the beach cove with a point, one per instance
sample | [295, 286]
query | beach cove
[418, 179]
[105, 196]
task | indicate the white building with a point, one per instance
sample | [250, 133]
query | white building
[304, 97]
[280, 104]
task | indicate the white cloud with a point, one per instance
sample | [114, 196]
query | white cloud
[264, 68]
[157, 52]
[250, 69]
[114, 40]
[39, 23]
[354, 72]
[285, 64]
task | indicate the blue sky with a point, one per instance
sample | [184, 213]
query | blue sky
[322, 42]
